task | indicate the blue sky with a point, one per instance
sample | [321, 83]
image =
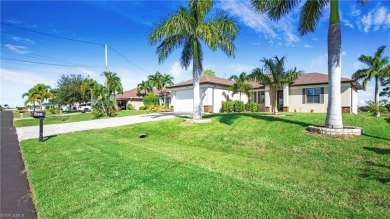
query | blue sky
[125, 25]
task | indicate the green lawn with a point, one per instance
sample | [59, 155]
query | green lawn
[238, 166]
[56, 119]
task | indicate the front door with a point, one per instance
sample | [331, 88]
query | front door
[280, 100]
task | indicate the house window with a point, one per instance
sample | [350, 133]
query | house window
[261, 97]
[313, 95]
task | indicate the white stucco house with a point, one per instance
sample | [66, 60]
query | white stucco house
[213, 91]
[308, 93]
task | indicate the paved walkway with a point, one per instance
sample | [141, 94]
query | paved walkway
[49, 130]
[15, 195]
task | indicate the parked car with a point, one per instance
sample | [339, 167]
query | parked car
[84, 107]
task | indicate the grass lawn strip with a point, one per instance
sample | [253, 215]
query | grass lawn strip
[240, 165]
[52, 119]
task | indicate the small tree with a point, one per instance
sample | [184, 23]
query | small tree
[70, 89]
[209, 72]
[150, 100]
[241, 85]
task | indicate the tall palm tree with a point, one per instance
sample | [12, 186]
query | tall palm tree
[159, 81]
[145, 85]
[311, 12]
[274, 75]
[378, 68]
[241, 85]
[113, 83]
[187, 28]
[166, 79]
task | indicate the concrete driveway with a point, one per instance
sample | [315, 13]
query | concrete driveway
[31, 132]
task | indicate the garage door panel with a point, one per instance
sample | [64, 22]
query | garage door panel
[184, 102]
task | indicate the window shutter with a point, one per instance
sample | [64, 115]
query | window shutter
[255, 97]
[322, 95]
[303, 96]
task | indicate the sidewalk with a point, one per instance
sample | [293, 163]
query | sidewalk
[16, 201]
[31, 132]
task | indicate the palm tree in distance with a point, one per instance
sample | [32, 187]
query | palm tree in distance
[241, 85]
[146, 86]
[187, 28]
[311, 12]
[39, 93]
[378, 68]
[113, 83]
[274, 75]
[87, 87]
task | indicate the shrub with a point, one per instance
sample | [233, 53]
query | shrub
[54, 111]
[47, 107]
[157, 109]
[238, 106]
[252, 107]
[130, 106]
[142, 108]
[227, 106]
[373, 108]
[150, 100]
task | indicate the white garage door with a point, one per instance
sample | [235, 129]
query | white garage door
[183, 101]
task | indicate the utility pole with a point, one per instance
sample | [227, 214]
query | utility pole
[106, 56]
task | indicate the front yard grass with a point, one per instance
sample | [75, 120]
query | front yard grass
[57, 119]
[237, 166]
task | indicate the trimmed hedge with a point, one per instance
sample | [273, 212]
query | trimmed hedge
[252, 107]
[238, 106]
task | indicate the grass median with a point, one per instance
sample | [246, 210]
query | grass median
[240, 165]
[58, 119]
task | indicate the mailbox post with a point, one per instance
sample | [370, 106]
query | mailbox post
[39, 115]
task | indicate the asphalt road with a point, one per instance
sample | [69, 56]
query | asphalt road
[16, 201]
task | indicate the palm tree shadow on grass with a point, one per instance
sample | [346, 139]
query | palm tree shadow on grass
[231, 118]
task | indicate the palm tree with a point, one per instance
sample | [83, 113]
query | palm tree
[39, 93]
[87, 87]
[378, 68]
[274, 75]
[166, 79]
[310, 15]
[145, 85]
[187, 28]
[159, 81]
[240, 85]
[113, 83]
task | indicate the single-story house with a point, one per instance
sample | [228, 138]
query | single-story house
[213, 91]
[135, 98]
[308, 93]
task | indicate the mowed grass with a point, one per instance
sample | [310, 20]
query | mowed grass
[237, 166]
[57, 119]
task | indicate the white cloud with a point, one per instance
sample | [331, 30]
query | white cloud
[307, 46]
[255, 43]
[18, 49]
[89, 73]
[25, 78]
[24, 40]
[357, 65]
[319, 61]
[283, 30]
[176, 70]
[377, 19]
[366, 95]
[354, 11]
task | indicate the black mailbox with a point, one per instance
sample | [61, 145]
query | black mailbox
[39, 115]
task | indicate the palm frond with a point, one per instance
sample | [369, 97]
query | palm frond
[368, 60]
[278, 9]
[199, 9]
[187, 52]
[310, 15]
[168, 45]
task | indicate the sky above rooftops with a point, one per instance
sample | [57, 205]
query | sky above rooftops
[29, 57]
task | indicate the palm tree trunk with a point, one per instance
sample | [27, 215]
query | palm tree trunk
[197, 111]
[333, 116]
[377, 113]
[276, 102]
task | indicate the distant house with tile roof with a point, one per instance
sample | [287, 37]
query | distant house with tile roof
[308, 93]
[134, 97]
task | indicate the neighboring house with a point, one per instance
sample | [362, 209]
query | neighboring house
[309, 93]
[135, 97]
[213, 91]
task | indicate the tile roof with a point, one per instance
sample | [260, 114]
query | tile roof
[205, 80]
[134, 93]
[304, 79]
[315, 78]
